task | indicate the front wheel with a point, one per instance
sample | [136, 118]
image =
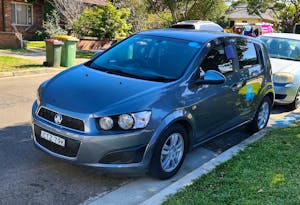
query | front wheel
[262, 116]
[169, 152]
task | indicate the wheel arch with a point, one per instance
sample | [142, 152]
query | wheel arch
[181, 117]
[271, 95]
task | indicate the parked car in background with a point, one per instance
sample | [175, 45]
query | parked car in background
[252, 30]
[142, 104]
[198, 25]
[284, 50]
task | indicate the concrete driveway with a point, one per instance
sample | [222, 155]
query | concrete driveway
[28, 176]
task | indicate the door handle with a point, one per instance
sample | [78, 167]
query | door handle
[235, 87]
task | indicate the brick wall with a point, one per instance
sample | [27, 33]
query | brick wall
[9, 40]
[0, 15]
[27, 31]
[89, 44]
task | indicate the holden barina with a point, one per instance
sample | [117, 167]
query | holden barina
[142, 104]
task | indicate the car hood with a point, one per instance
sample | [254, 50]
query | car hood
[287, 66]
[85, 90]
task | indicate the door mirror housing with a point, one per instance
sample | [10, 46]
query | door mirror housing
[211, 77]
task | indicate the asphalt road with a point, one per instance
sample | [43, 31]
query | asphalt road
[28, 176]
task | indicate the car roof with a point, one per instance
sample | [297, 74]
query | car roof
[188, 34]
[196, 22]
[292, 36]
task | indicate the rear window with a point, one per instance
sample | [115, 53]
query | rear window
[186, 26]
[246, 53]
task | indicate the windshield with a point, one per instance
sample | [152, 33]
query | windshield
[282, 48]
[148, 57]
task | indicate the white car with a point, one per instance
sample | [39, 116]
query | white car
[198, 25]
[284, 51]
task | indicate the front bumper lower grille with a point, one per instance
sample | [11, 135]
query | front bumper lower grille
[67, 121]
[71, 146]
[280, 96]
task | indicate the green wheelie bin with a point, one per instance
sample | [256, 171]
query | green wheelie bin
[68, 53]
[53, 52]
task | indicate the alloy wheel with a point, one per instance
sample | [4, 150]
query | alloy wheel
[263, 115]
[172, 152]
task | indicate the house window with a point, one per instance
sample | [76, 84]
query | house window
[21, 14]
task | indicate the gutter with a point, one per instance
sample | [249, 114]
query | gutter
[3, 16]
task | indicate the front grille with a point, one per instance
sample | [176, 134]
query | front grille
[279, 96]
[71, 146]
[67, 121]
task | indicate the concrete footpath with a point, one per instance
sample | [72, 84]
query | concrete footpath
[149, 191]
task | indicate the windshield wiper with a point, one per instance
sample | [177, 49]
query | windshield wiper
[122, 73]
[116, 72]
[159, 79]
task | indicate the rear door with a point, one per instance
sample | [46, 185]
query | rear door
[250, 71]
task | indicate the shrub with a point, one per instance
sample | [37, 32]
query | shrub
[103, 22]
[51, 25]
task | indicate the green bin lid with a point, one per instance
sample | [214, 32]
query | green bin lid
[67, 38]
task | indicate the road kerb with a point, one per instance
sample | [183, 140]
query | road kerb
[29, 72]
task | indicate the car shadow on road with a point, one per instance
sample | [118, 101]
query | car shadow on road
[29, 176]
[277, 109]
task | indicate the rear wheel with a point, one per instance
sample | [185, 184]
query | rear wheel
[294, 105]
[261, 118]
[169, 152]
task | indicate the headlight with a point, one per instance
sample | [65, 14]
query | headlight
[126, 121]
[283, 78]
[106, 123]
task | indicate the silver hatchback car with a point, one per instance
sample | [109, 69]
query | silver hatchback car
[284, 50]
[145, 102]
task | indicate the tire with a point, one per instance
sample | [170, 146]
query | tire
[296, 104]
[262, 115]
[166, 160]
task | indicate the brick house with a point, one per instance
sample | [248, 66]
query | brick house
[26, 16]
[20, 16]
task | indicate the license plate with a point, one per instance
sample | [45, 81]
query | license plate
[52, 138]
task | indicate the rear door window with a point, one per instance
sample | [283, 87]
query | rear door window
[247, 54]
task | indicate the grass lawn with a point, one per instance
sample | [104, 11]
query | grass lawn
[267, 172]
[8, 63]
[36, 45]
[87, 54]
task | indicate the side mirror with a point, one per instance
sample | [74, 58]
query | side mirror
[97, 54]
[211, 77]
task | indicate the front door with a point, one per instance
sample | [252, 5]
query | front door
[216, 106]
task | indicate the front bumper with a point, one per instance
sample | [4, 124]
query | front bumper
[94, 149]
[285, 93]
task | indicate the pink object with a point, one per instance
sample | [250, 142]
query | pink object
[266, 28]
